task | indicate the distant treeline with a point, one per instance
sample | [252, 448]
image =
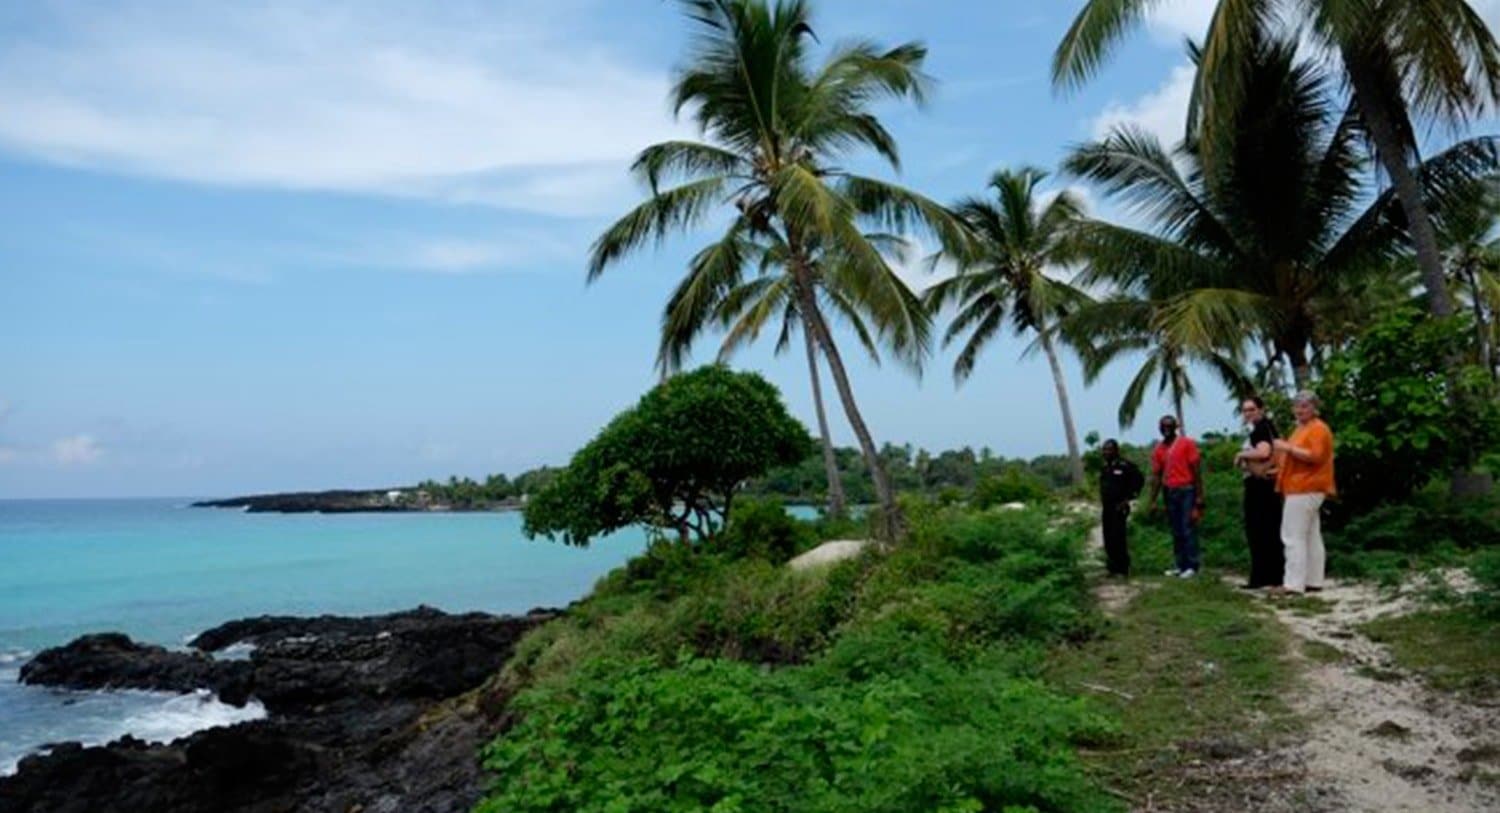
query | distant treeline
[911, 470]
[465, 493]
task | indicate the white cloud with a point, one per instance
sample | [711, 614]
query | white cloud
[1173, 20]
[1162, 112]
[473, 105]
[76, 450]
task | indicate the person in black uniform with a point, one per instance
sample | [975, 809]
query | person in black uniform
[1120, 481]
[1257, 460]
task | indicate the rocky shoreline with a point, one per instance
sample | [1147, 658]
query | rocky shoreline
[375, 714]
[349, 501]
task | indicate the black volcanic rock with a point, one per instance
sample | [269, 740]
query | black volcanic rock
[363, 712]
[325, 502]
[113, 661]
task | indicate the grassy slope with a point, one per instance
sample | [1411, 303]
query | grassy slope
[967, 671]
[1453, 648]
[1193, 671]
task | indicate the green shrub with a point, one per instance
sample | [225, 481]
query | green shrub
[1390, 402]
[1485, 568]
[1428, 530]
[762, 529]
[1014, 485]
[716, 735]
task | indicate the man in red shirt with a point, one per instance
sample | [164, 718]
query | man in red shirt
[1177, 466]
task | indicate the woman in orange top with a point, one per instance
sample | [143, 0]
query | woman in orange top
[1305, 479]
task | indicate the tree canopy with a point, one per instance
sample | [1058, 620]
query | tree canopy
[674, 461]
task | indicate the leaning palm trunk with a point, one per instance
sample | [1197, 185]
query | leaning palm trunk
[1075, 459]
[1392, 155]
[1481, 324]
[836, 504]
[891, 528]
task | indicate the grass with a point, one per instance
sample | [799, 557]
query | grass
[1453, 649]
[1189, 668]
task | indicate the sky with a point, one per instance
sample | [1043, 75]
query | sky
[284, 245]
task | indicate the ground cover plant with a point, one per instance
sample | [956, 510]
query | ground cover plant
[902, 680]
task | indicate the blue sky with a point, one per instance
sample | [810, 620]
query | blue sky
[299, 245]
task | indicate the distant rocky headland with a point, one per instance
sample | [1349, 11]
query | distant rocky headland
[347, 501]
[381, 713]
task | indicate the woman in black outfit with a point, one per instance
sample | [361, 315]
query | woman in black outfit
[1262, 503]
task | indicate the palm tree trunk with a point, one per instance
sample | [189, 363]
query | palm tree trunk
[1075, 458]
[1392, 153]
[1481, 327]
[1301, 368]
[836, 504]
[892, 526]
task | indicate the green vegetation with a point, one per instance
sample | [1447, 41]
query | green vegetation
[906, 680]
[674, 461]
[1403, 61]
[1396, 410]
[963, 667]
[1189, 667]
[1452, 648]
[779, 131]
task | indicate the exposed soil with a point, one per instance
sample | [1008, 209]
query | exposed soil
[1377, 736]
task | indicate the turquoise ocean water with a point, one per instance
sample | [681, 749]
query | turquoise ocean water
[160, 572]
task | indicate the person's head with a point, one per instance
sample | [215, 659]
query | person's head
[1305, 406]
[1252, 409]
[1110, 449]
[1167, 426]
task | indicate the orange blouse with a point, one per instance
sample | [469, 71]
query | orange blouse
[1313, 476]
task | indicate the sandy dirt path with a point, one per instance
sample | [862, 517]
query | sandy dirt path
[1376, 737]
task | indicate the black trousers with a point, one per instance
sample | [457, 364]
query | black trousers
[1263, 531]
[1116, 552]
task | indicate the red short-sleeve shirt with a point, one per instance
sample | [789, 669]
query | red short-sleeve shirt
[1174, 464]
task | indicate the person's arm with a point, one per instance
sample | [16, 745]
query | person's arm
[1316, 450]
[1198, 482]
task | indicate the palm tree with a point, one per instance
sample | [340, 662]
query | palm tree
[1402, 59]
[1127, 324]
[777, 130]
[1016, 240]
[744, 311]
[1472, 255]
[1254, 237]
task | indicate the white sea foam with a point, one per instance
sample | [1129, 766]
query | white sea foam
[181, 715]
[99, 717]
[238, 651]
[16, 656]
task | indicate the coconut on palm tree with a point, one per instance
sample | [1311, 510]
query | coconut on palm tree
[1255, 227]
[777, 130]
[1016, 240]
[1403, 60]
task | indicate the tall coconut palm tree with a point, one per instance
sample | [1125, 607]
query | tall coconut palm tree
[1017, 239]
[1252, 237]
[1402, 60]
[777, 130]
[746, 310]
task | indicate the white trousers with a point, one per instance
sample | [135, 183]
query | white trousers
[1302, 537]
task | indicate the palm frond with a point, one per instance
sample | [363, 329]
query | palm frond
[677, 208]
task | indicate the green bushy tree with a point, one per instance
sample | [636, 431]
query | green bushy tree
[1391, 406]
[674, 461]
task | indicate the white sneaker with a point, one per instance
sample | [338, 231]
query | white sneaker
[1187, 574]
[1171, 572]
